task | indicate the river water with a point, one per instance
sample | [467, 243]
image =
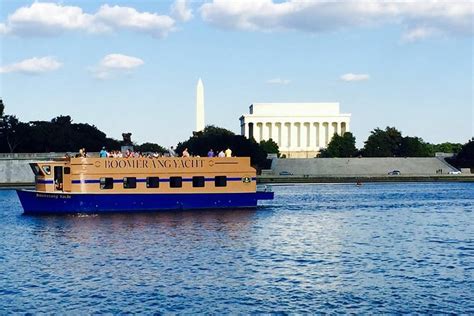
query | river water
[377, 248]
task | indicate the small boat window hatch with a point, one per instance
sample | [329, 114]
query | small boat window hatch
[198, 182]
[176, 182]
[106, 183]
[220, 181]
[67, 170]
[36, 169]
[46, 169]
[129, 183]
[153, 182]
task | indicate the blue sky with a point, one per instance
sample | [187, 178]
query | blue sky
[133, 65]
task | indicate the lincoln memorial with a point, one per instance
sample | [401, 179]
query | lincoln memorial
[299, 129]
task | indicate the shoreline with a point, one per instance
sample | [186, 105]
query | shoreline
[354, 179]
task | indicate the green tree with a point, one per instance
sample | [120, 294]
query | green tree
[217, 138]
[383, 143]
[2, 108]
[465, 157]
[446, 148]
[59, 135]
[414, 147]
[270, 147]
[14, 133]
[340, 146]
[151, 147]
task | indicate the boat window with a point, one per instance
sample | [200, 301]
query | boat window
[152, 182]
[67, 170]
[220, 181]
[176, 182]
[129, 183]
[198, 182]
[106, 183]
[36, 169]
[46, 169]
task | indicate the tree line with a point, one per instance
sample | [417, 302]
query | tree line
[390, 142]
[61, 134]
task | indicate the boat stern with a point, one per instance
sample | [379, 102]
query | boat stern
[264, 193]
[261, 195]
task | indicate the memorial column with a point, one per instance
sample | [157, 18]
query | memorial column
[303, 135]
[246, 130]
[278, 133]
[285, 140]
[294, 135]
[312, 135]
[322, 134]
[256, 131]
[264, 131]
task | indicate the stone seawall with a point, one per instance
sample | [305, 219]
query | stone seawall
[265, 179]
[15, 169]
[353, 170]
[347, 167]
[16, 172]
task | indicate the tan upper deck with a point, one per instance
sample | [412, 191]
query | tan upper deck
[89, 174]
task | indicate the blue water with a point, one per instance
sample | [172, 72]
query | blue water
[378, 248]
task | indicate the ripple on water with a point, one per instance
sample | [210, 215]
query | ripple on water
[378, 248]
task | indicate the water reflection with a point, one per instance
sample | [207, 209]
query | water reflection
[212, 219]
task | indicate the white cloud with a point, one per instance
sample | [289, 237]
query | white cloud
[418, 34]
[278, 81]
[33, 66]
[3, 29]
[50, 19]
[116, 17]
[355, 77]
[180, 11]
[115, 64]
[42, 18]
[119, 61]
[449, 17]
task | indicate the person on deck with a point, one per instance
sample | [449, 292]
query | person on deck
[171, 152]
[228, 152]
[221, 154]
[211, 153]
[185, 152]
[103, 153]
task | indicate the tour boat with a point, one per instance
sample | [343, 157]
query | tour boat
[97, 185]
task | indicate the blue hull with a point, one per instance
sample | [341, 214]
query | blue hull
[62, 203]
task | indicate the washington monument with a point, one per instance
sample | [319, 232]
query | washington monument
[199, 106]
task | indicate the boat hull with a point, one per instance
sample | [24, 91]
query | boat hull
[35, 202]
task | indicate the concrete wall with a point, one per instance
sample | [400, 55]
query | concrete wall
[15, 169]
[360, 166]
